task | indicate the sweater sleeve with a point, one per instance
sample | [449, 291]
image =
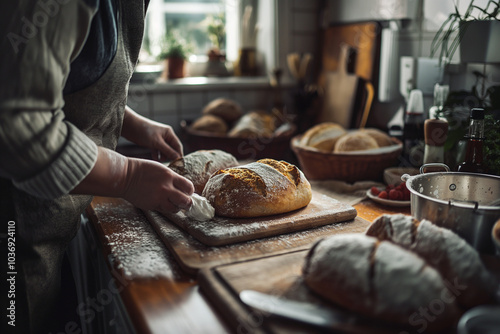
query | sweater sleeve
[42, 153]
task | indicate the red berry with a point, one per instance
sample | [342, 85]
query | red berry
[406, 194]
[393, 195]
[375, 191]
[383, 194]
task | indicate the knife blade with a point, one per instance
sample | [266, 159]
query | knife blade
[309, 313]
[301, 311]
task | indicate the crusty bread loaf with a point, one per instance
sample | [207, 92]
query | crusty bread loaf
[380, 136]
[449, 254]
[200, 165]
[323, 136]
[355, 141]
[210, 123]
[255, 124]
[261, 188]
[227, 109]
[377, 279]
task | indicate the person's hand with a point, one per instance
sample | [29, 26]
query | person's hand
[158, 137]
[147, 184]
[163, 142]
[152, 186]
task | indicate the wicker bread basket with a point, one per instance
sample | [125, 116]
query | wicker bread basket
[241, 148]
[349, 167]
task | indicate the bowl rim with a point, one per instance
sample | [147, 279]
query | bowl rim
[462, 205]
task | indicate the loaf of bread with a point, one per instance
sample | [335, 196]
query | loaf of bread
[227, 109]
[323, 136]
[355, 141]
[200, 165]
[378, 279]
[210, 123]
[261, 188]
[380, 136]
[255, 124]
[457, 262]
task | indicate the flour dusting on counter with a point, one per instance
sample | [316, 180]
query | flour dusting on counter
[136, 250]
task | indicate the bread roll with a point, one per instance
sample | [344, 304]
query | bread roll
[228, 110]
[255, 124]
[210, 123]
[323, 136]
[261, 188]
[355, 141]
[376, 279]
[200, 165]
[380, 136]
[449, 254]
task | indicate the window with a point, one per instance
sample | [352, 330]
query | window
[190, 19]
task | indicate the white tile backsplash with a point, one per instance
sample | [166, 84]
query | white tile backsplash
[164, 101]
[215, 94]
[170, 119]
[192, 100]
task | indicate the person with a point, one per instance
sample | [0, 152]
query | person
[65, 67]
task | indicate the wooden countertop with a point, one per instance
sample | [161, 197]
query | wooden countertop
[157, 295]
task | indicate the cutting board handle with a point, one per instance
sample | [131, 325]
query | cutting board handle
[343, 58]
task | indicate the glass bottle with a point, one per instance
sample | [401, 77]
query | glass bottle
[473, 162]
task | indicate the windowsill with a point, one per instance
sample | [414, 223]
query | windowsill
[204, 83]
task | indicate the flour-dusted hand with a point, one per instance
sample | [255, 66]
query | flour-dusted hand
[147, 184]
[152, 186]
[159, 137]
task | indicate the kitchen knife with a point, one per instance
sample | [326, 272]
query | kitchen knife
[309, 313]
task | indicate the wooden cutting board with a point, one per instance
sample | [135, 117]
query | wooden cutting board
[281, 276]
[193, 255]
[340, 89]
[220, 231]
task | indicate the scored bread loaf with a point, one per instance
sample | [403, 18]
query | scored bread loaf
[323, 136]
[376, 279]
[200, 165]
[261, 188]
[449, 254]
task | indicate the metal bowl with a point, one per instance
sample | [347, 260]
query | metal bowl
[465, 203]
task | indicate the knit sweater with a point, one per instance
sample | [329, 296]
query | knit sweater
[41, 151]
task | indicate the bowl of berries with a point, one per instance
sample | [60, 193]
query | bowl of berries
[391, 195]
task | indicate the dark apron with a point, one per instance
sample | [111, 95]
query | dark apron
[45, 227]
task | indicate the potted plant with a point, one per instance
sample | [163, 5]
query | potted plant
[476, 33]
[175, 51]
[216, 31]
